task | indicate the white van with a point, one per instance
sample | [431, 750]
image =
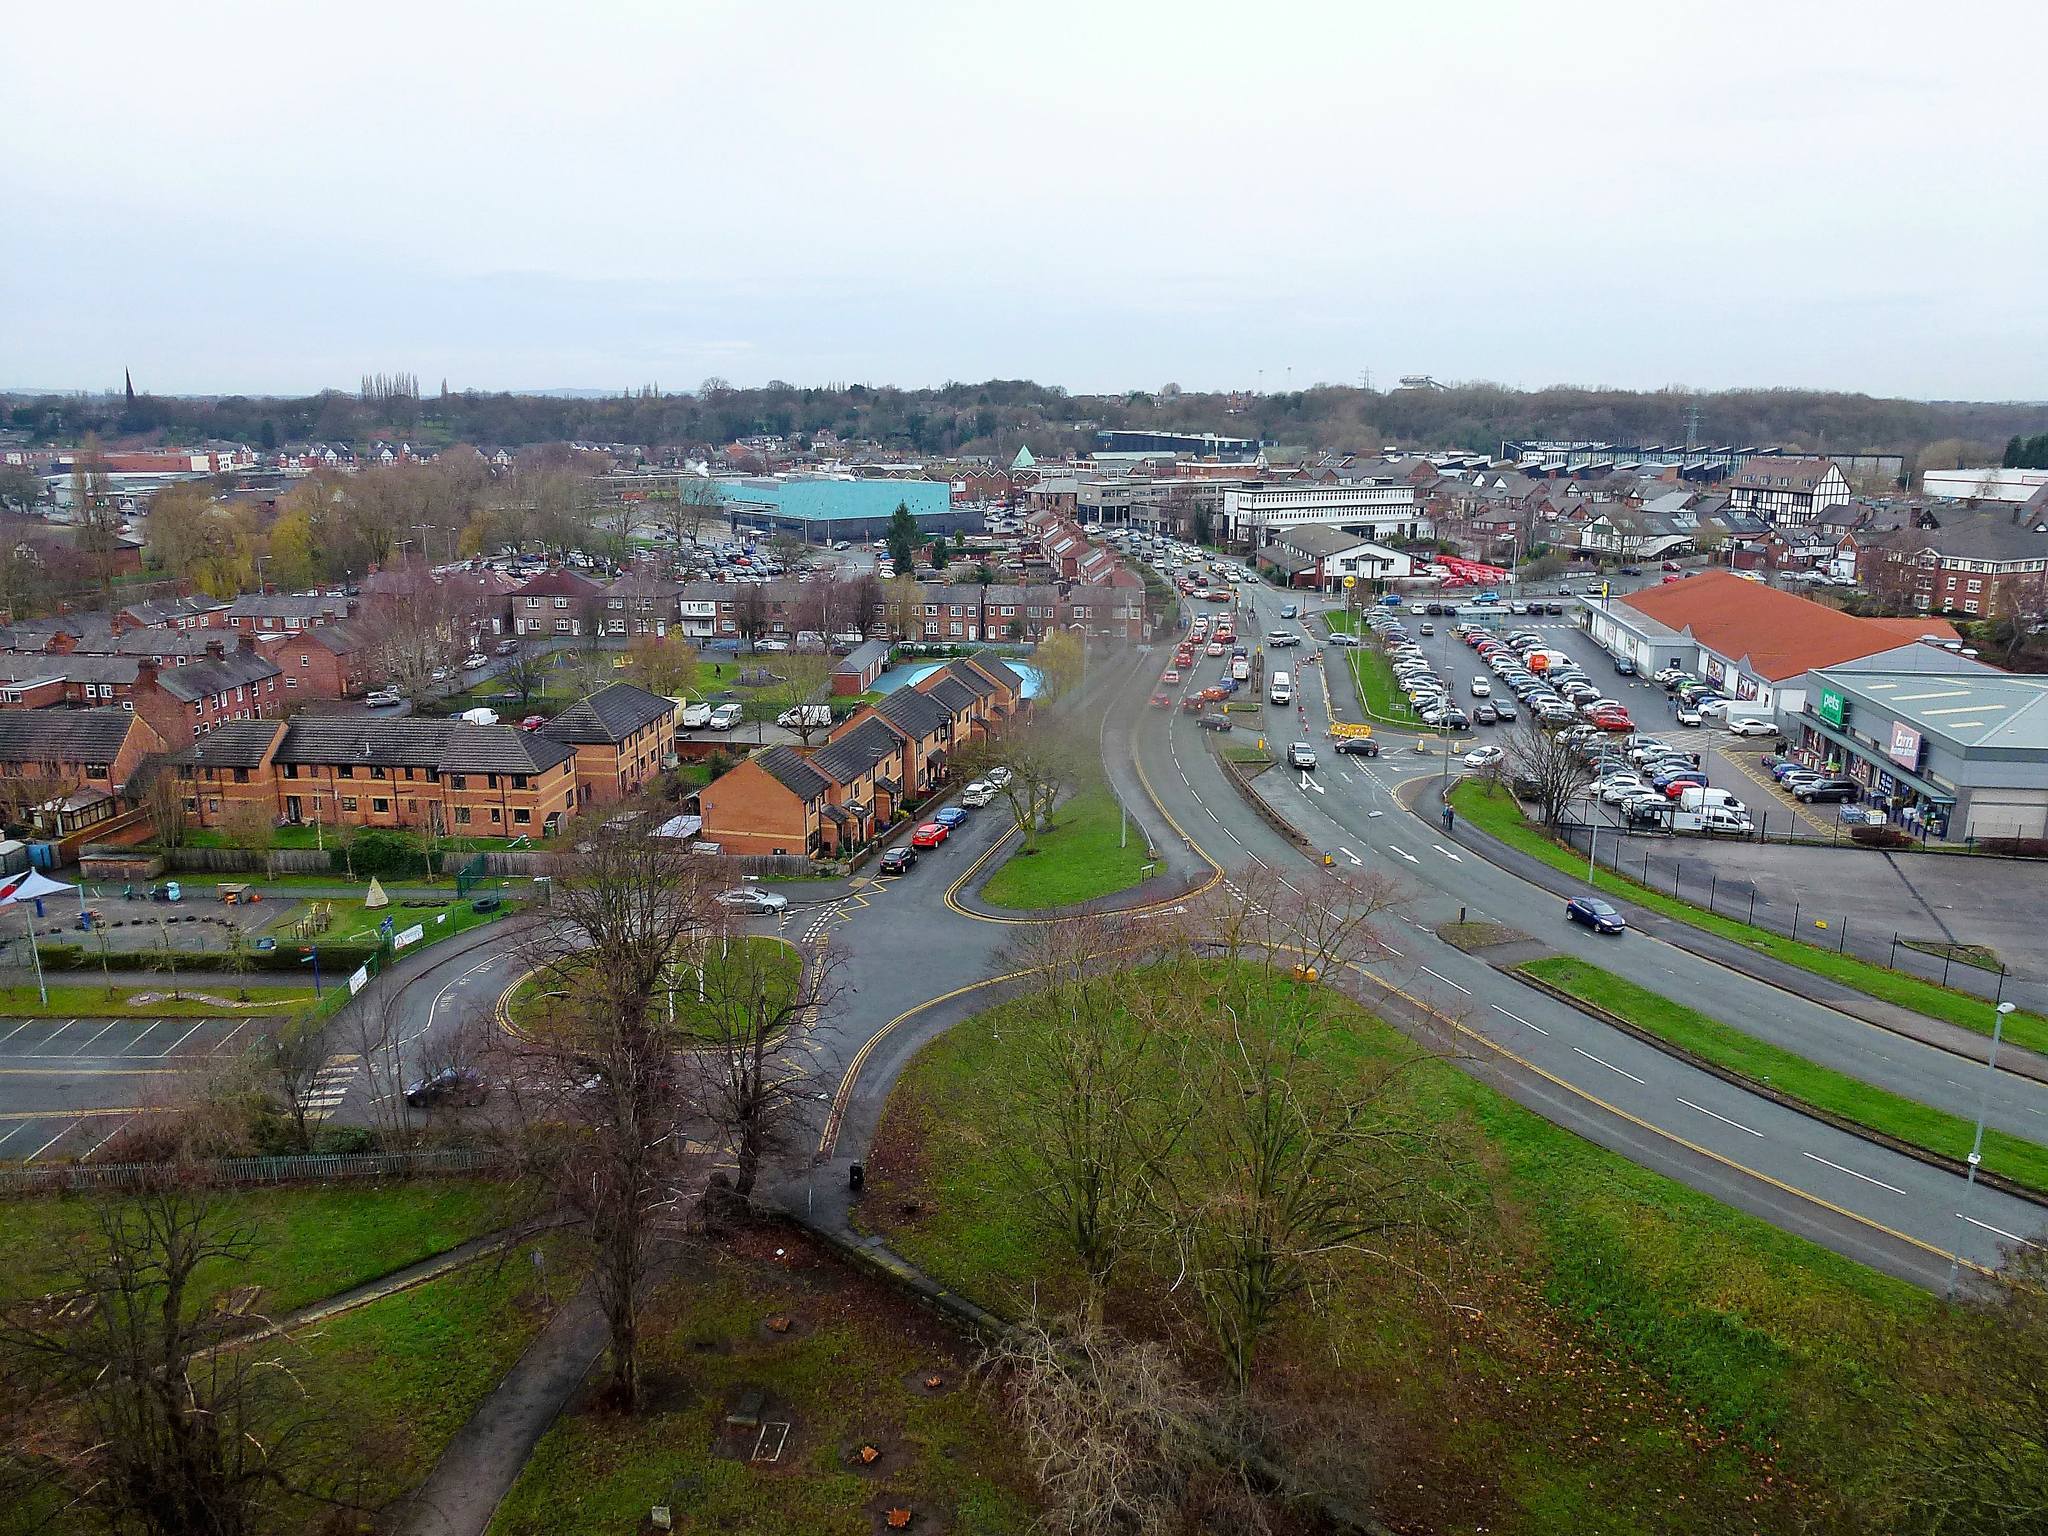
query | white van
[725, 717]
[1281, 689]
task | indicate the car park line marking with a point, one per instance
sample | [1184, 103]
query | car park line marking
[103, 1029]
[1520, 1020]
[1866, 1178]
[224, 1039]
[24, 1024]
[1973, 1221]
[1688, 1103]
[101, 1144]
[39, 1151]
[183, 1038]
[139, 1039]
[1448, 982]
[1610, 1066]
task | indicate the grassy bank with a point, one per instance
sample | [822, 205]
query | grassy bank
[847, 1370]
[1495, 811]
[1078, 859]
[1837, 1093]
[1605, 1351]
[539, 997]
[151, 999]
[1377, 686]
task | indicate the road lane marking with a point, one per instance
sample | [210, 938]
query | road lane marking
[1440, 848]
[1354, 858]
[1520, 1020]
[1448, 982]
[1973, 1221]
[1405, 854]
[1688, 1103]
[183, 1038]
[1866, 1178]
[1610, 1066]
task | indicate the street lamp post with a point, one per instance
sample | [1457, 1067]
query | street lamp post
[1955, 1262]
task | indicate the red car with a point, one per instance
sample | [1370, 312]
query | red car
[1160, 701]
[929, 835]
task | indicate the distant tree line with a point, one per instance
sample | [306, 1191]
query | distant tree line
[997, 415]
[2027, 452]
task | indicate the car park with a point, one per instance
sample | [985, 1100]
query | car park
[1598, 915]
[929, 835]
[752, 898]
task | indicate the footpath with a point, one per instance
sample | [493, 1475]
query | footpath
[1941, 1034]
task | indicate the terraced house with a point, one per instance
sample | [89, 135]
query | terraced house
[622, 735]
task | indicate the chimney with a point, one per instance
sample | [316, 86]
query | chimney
[145, 675]
[245, 642]
[216, 649]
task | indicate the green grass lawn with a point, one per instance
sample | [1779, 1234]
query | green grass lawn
[356, 923]
[93, 1000]
[1606, 1351]
[1836, 1092]
[538, 997]
[1377, 686]
[313, 1241]
[848, 1370]
[1497, 812]
[1078, 860]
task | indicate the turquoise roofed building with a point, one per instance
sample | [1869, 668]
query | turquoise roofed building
[822, 510]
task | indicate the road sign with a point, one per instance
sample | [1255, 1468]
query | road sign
[1350, 582]
[1346, 728]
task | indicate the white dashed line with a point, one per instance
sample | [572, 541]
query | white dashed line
[1447, 981]
[1866, 1178]
[1973, 1221]
[1688, 1103]
[1520, 1020]
[1610, 1066]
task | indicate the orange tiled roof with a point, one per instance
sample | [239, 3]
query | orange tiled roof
[1778, 634]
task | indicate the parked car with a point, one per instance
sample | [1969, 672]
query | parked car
[978, 794]
[929, 835]
[384, 698]
[457, 1085]
[508, 647]
[1357, 746]
[751, 898]
[726, 716]
[1598, 915]
[805, 715]
[950, 816]
[1687, 715]
[1749, 725]
[474, 660]
[1484, 757]
[1829, 789]
[998, 776]
[1343, 639]
[1301, 755]
[897, 860]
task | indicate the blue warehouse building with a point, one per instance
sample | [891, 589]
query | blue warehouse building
[819, 511]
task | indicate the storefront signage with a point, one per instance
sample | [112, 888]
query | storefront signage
[1833, 708]
[1715, 671]
[1905, 748]
[1745, 687]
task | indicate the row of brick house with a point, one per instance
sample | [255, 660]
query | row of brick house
[445, 776]
[832, 799]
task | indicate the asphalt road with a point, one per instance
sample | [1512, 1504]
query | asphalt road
[1877, 1206]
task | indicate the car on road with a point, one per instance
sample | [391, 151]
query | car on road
[950, 816]
[1749, 725]
[1503, 711]
[1484, 757]
[978, 794]
[1301, 755]
[1214, 722]
[1289, 611]
[998, 776]
[450, 1085]
[1357, 746]
[474, 660]
[1170, 676]
[1598, 915]
[1631, 570]
[930, 835]
[1623, 667]
[384, 698]
[897, 861]
[697, 715]
[752, 898]
[842, 545]
[1485, 714]
[1343, 639]
[1280, 642]
[1481, 688]
[508, 647]
[1829, 789]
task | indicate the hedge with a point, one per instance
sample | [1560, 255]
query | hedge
[288, 956]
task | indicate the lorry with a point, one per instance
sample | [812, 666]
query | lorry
[1281, 689]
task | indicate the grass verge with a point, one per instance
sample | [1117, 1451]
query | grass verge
[356, 923]
[1495, 811]
[311, 1242]
[1606, 1351]
[2015, 1158]
[1079, 859]
[80, 1000]
[779, 963]
[848, 1370]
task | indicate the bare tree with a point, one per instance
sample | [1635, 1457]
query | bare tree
[373, 1028]
[1042, 756]
[697, 502]
[418, 626]
[1092, 1082]
[741, 1004]
[799, 700]
[127, 1391]
[289, 1060]
[1548, 765]
[601, 1060]
[163, 800]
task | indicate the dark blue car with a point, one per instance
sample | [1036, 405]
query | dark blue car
[950, 817]
[1596, 914]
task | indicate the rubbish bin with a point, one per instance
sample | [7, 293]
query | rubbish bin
[856, 1176]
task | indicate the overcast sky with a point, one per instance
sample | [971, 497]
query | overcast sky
[276, 198]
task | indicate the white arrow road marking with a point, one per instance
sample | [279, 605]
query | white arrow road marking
[1440, 848]
[1520, 1020]
[1688, 1103]
[1354, 858]
[1309, 783]
[1610, 1066]
[1406, 854]
[1866, 1178]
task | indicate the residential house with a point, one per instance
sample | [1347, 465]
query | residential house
[284, 613]
[623, 736]
[1787, 491]
[53, 751]
[639, 605]
[187, 701]
[1989, 562]
[857, 671]
[774, 802]
[558, 604]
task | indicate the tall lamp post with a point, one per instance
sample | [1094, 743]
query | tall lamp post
[1955, 1263]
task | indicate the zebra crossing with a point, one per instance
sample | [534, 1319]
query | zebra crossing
[330, 1085]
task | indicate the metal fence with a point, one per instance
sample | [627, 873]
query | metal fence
[68, 1178]
[1661, 864]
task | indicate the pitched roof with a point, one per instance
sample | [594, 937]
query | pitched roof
[1775, 634]
[557, 584]
[288, 605]
[1768, 474]
[342, 639]
[611, 714]
[863, 656]
[950, 691]
[63, 735]
[1991, 534]
[917, 713]
[847, 757]
[793, 772]
[449, 746]
[196, 679]
[500, 749]
[233, 744]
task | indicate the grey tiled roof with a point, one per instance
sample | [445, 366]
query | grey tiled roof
[197, 679]
[789, 768]
[63, 735]
[918, 714]
[287, 605]
[500, 749]
[448, 746]
[863, 656]
[951, 692]
[611, 714]
[232, 744]
[855, 753]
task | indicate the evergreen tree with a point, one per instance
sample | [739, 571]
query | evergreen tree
[902, 538]
[940, 554]
[2015, 450]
